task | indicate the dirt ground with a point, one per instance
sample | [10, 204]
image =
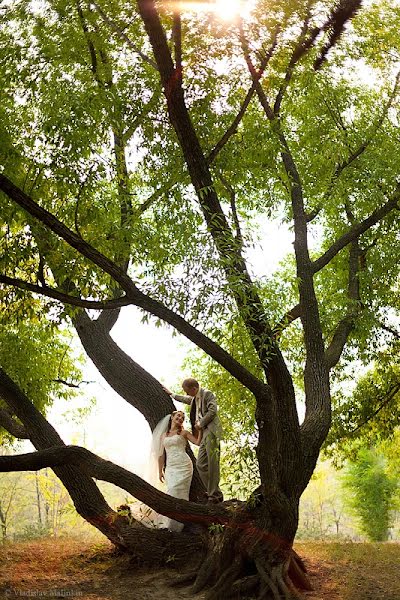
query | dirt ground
[68, 568]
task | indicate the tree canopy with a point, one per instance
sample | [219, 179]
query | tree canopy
[142, 146]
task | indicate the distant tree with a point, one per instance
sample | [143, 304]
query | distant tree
[371, 494]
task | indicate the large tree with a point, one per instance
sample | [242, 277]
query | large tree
[141, 143]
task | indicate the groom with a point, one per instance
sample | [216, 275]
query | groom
[203, 415]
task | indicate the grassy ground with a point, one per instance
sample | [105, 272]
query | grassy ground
[352, 571]
[69, 568]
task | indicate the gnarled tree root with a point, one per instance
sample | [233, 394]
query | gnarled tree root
[233, 574]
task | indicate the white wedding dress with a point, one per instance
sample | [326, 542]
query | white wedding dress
[178, 474]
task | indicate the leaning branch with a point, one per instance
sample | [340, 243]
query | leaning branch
[105, 470]
[342, 14]
[296, 55]
[12, 426]
[49, 292]
[367, 142]
[132, 292]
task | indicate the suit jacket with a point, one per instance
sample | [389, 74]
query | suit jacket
[208, 403]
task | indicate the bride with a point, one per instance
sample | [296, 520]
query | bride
[169, 457]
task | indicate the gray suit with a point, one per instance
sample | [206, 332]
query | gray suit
[209, 451]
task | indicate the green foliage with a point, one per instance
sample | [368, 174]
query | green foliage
[371, 493]
[369, 414]
[39, 357]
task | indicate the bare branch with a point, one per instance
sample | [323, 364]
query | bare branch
[72, 385]
[65, 298]
[123, 35]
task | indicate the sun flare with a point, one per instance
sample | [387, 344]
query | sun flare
[226, 10]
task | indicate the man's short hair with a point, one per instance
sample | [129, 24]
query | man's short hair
[190, 383]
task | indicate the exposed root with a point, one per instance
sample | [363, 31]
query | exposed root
[277, 576]
[205, 573]
[225, 582]
[184, 579]
[298, 573]
[245, 586]
[270, 585]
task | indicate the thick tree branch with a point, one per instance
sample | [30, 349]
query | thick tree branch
[177, 37]
[87, 498]
[104, 470]
[342, 14]
[296, 55]
[245, 293]
[12, 426]
[65, 298]
[136, 297]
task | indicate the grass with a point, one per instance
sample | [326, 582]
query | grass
[353, 571]
[83, 570]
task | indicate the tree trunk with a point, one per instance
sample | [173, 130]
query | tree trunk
[3, 524]
[38, 499]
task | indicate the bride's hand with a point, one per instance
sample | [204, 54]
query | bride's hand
[161, 477]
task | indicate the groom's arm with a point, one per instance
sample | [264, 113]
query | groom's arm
[184, 399]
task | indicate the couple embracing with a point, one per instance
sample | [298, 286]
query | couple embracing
[169, 445]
